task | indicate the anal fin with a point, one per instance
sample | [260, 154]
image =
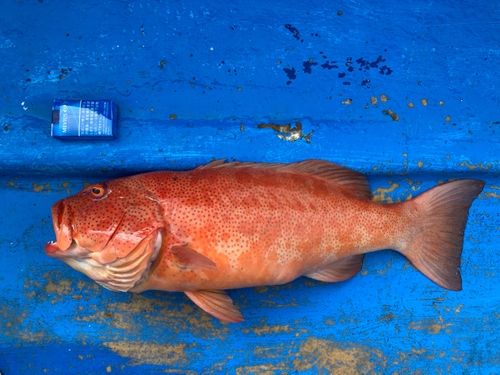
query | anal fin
[216, 303]
[339, 270]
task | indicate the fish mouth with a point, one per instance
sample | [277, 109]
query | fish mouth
[50, 247]
[122, 274]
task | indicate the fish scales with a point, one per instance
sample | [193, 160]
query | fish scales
[264, 228]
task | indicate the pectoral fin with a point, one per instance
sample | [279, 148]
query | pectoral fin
[340, 270]
[216, 303]
[185, 257]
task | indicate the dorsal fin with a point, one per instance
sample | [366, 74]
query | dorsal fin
[352, 180]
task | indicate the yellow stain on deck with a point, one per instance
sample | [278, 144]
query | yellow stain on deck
[434, 327]
[150, 353]
[471, 166]
[379, 195]
[492, 195]
[321, 356]
[39, 188]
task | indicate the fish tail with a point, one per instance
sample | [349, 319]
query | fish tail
[435, 244]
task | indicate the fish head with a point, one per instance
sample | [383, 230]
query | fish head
[112, 231]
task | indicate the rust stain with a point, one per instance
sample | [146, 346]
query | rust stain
[387, 318]
[85, 184]
[424, 101]
[321, 356]
[151, 352]
[264, 329]
[173, 116]
[434, 327]
[164, 311]
[471, 166]
[394, 116]
[383, 98]
[374, 100]
[379, 195]
[9, 183]
[420, 164]
[492, 195]
[329, 357]
[39, 188]
[289, 133]
[12, 324]
[65, 185]
[260, 289]
[347, 101]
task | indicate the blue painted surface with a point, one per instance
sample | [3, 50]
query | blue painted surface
[293, 61]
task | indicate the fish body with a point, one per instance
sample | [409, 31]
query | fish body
[234, 225]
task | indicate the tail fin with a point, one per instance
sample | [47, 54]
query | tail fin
[436, 246]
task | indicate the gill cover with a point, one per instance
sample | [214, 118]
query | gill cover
[110, 219]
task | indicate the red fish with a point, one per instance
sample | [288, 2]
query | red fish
[235, 225]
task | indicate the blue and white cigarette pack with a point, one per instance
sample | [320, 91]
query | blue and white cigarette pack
[84, 119]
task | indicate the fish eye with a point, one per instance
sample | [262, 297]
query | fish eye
[98, 191]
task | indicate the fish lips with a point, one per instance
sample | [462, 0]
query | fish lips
[62, 215]
[50, 248]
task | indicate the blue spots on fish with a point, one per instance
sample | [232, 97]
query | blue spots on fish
[307, 66]
[294, 31]
[290, 74]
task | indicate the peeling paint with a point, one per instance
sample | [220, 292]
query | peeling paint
[39, 188]
[289, 133]
[150, 352]
[394, 116]
[379, 195]
[433, 326]
[471, 166]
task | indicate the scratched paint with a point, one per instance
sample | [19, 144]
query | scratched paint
[356, 77]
